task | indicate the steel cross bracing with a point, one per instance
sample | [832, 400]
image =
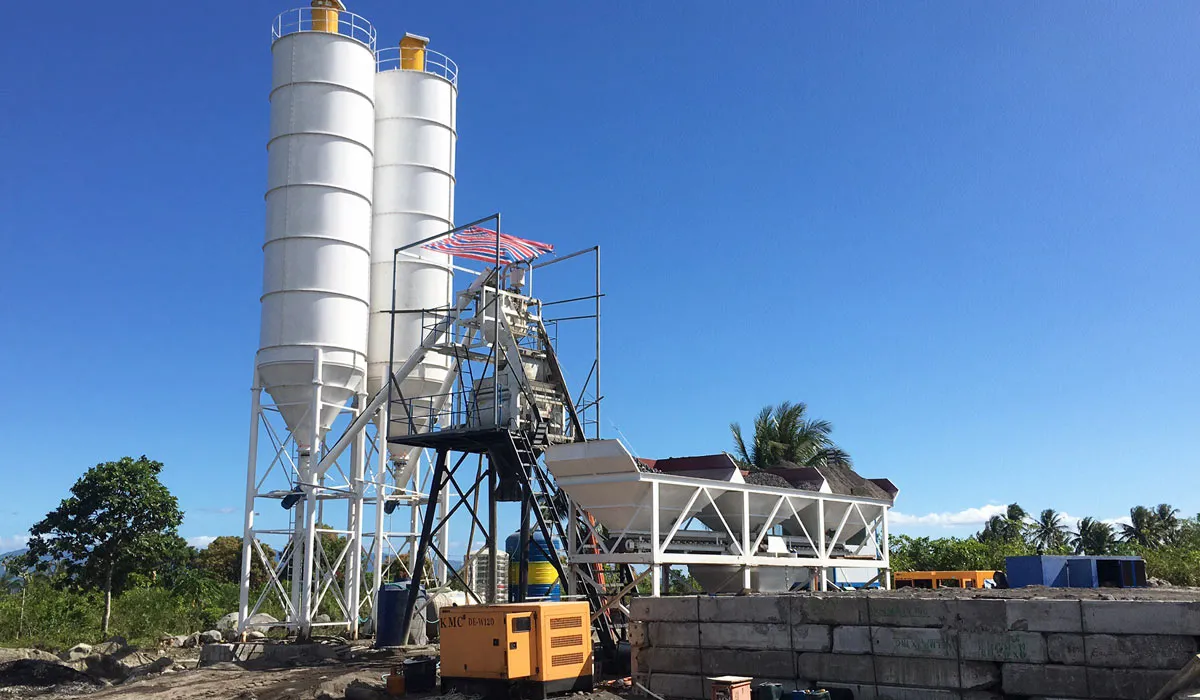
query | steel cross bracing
[479, 334]
[332, 580]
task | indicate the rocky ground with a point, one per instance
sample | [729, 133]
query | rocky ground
[354, 672]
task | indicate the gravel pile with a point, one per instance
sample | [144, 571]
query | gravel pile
[765, 479]
[27, 677]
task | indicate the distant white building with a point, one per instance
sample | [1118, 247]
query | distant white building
[476, 567]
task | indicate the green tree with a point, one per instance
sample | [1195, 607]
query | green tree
[1166, 521]
[1010, 527]
[1048, 533]
[1143, 528]
[221, 560]
[120, 520]
[14, 578]
[785, 433]
[1093, 537]
[952, 554]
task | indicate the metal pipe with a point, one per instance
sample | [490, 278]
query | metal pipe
[454, 230]
[569, 318]
[358, 468]
[496, 336]
[492, 527]
[308, 478]
[251, 490]
[523, 551]
[565, 258]
[380, 493]
[426, 532]
[598, 295]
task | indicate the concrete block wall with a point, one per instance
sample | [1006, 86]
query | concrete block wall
[887, 647]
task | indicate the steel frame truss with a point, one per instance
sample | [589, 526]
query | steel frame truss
[678, 536]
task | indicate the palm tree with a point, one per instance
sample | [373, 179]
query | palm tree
[1143, 528]
[784, 433]
[1048, 531]
[1093, 537]
[1006, 528]
[1166, 522]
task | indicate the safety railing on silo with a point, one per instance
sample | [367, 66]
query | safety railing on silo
[328, 20]
[435, 63]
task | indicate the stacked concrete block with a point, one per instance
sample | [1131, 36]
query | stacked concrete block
[881, 647]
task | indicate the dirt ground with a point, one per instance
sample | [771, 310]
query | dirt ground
[357, 678]
[353, 681]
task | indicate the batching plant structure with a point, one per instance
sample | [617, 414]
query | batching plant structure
[360, 158]
[374, 368]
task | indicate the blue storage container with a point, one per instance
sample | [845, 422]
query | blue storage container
[543, 577]
[391, 602]
[1036, 571]
[1075, 571]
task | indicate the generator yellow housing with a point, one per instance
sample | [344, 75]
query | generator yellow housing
[544, 647]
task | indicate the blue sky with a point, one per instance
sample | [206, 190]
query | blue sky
[964, 233]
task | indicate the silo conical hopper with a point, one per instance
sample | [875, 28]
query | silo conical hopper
[315, 300]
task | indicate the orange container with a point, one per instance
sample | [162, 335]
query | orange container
[395, 683]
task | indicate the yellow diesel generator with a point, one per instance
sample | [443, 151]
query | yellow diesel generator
[526, 649]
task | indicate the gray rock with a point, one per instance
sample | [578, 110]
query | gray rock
[118, 667]
[228, 621]
[7, 655]
[211, 637]
[322, 618]
[230, 635]
[191, 641]
[258, 619]
[77, 652]
[114, 645]
[256, 635]
[172, 640]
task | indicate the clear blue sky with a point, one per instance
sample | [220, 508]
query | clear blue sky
[967, 234]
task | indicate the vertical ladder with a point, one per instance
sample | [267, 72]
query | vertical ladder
[526, 457]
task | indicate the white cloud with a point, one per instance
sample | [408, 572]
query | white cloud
[969, 516]
[974, 517]
[200, 541]
[8, 544]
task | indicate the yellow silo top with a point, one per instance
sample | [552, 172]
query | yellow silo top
[412, 52]
[325, 15]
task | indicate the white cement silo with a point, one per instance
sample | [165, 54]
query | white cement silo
[320, 166]
[415, 137]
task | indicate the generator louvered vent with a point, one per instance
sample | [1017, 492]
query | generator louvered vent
[566, 659]
[566, 640]
[564, 623]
